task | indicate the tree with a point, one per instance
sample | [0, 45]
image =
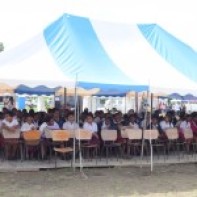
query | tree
[1, 46]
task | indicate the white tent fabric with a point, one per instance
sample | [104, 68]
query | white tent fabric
[140, 61]
[31, 64]
[99, 52]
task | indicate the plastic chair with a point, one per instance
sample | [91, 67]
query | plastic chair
[32, 140]
[109, 138]
[85, 138]
[152, 137]
[134, 140]
[60, 137]
[173, 140]
[189, 140]
[10, 139]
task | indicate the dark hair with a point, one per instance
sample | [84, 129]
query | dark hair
[10, 113]
[1, 115]
[31, 111]
[90, 115]
[48, 118]
[70, 114]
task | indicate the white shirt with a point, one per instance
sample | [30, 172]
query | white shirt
[185, 125]
[165, 125]
[27, 127]
[134, 125]
[70, 125]
[104, 126]
[15, 134]
[44, 125]
[10, 124]
[35, 124]
[90, 127]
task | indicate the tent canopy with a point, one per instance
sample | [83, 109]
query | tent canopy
[175, 96]
[78, 91]
[189, 97]
[4, 88]
[136, 56]
[112, 89]
[38, 90]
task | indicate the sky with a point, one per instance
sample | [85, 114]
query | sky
[22, 19]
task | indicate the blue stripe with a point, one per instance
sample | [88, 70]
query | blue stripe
[181, 56]
[77, 49]
[113, 89]
[39, 90]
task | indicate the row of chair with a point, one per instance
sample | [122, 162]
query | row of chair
[58, 139]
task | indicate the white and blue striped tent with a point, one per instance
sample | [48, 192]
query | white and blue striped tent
[135, 57]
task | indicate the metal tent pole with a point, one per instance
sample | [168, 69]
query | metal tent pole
[143, 128]
[74, 140]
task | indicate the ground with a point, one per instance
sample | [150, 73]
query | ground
[168, 180]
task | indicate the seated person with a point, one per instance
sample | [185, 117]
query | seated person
[10, 126]
[70, 124]
[90, 125]
[132, 122]
[45, 127]
[164, 125]
[184, 124]
[57, 118]
[49, 124]
[35, 119]
[117, 124]
[10, 123]
[193, 123]
[28, 125]
[106, 123]
[153, 124]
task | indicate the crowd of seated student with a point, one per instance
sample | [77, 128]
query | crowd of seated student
[56, 119]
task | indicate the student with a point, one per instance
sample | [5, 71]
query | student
[28, 125]
[57, 118]
[153, 124]
[132, 123]
[117, 124]
[106, 123]
[193, 123]
[165, 124]
[49, 124]
[35, 120]
[90, 125]
[184, 124]
[45, 127]
[10, 126]
[70, 124]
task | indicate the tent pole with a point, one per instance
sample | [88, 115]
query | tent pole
[150, 139]
[151, 103]
[65, 97]
[125, 104]
[91, 98]
[136, 102]
[77, 120]
[151, 153]
[74, 150]
[144, 128]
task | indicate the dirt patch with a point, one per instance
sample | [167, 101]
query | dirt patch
[170, 180]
